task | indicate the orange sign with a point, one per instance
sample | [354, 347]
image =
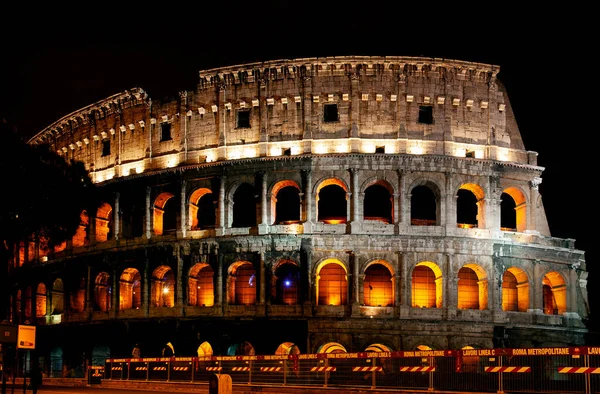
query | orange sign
[26, 337]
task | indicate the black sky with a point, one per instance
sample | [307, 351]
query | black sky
[55, 61]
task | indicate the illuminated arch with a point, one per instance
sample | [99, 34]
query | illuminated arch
[40, 300]
[515, 290]
[288, 211]
[332, 347]
[287, 348]
[472, 287]
[28, 304]
[102, 291]
[468, 215]
[378, 284]
[241, 349]
[377, 347]
[332, 209]
[426, 285]
[520, 213]
[205, 350]
[104, 223]
[163, 287]
[201, 285]
[77, 295]
[554, 294]
[242, 284]
[130, 289]
[331, 283]
[160, 210]
[197, 218]
[58, 297]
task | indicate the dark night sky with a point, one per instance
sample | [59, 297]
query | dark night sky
[56, 61]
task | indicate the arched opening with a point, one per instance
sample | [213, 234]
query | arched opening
[423, 206]
[104, 223]
[515, 290]
[472, 287]
[81, 234]
[28, 304]
[205, 350]
[378, 204]
[513, 207]
[200, 285]
[40, 301]
[331, 202]
[287, 283]
[163, 287]
[100, 354]
[287, 348]
[377, 286]
[102, 292]
[58, 297]
[287, 205]
[56, 362]
[332, 347]
[77, 295]
[203, 209]
[554, 294]
[244, 206]
[165, 213]
[132, 216]
[466, 209]
[241, 349]
[426, 285]
[332, 283]
[242, 284]
[130, 289]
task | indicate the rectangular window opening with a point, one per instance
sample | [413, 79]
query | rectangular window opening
[330, 113]
[286, 151]
[470, 153]
[165, 132]
[106, 147]
[426, 114]
[380, 149]
[243, 119]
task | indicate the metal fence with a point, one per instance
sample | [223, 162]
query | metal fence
[532, 370]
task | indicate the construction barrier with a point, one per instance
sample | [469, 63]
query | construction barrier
[535, 370]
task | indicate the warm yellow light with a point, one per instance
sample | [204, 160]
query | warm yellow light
[165, 290]
[320, 148]
[416, 149]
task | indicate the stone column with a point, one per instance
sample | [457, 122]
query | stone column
[308, 200]
[263, 285]
[179, 279]
[115, 306]
[183, 211]
[220, 230]
[354, 203]
[450, 285]
[537, 291]
[353, 260]
[148, 216]
[220, 280]
[116, 216]
[263, 227]
[88, 291]
[403, 200]
[146, 277]
[401, 281]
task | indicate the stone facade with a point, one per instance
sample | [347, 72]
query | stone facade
[195, 190]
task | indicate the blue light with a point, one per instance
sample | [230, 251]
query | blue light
[287, 283]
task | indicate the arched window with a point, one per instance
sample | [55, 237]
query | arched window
[287, 203]
[554, 294]
[332, 284]
[378, 289]
[287, 284]
[332, 204]
[40, 301]
[200, 285]
[515, 290]
[165, 213]
[472, 287]
[466, 209]
[163, 287]
[426, 285]
[423, 206]
[130, 289]
[104, 223]
[244, 206]
[77, 295]
[513, 207]
[102, 292]
[202, 209]
[58, 297]
[378, 204]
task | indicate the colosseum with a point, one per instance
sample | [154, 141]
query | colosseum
[308, 205]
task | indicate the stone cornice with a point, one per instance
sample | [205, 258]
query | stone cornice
[353, 66]
[112, 104]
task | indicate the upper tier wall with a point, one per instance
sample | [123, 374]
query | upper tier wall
[316, 105]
